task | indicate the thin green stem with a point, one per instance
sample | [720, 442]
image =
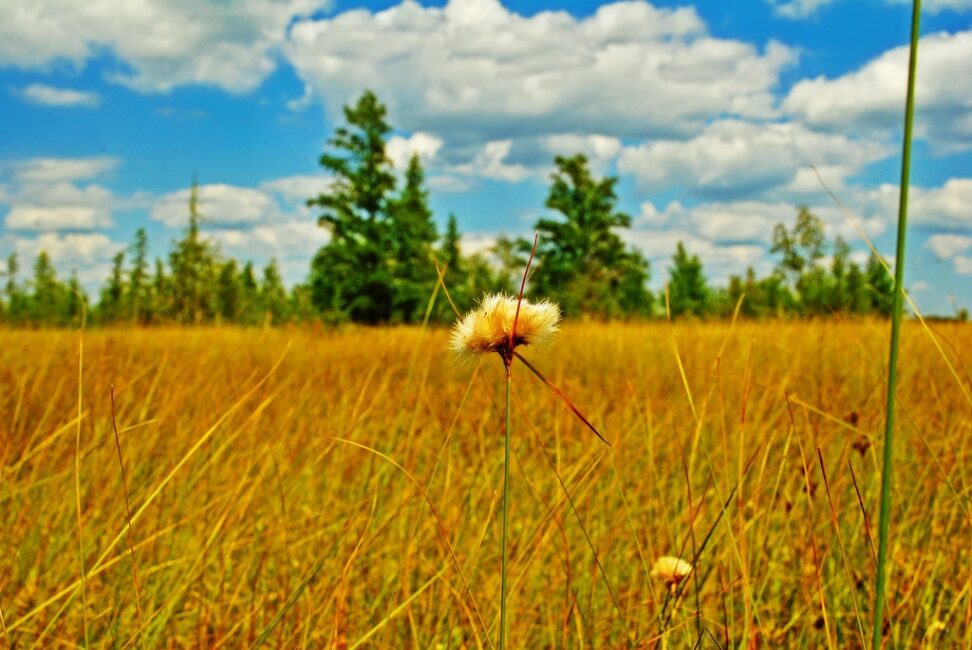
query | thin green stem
[880, 582]
[506, 510]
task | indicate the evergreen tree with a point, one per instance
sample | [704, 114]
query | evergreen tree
[228, 292]
[687, 290]
[273, 295]
[161, 298]
[858, 296]
[351, 275]
[881, 285]
[110, 305]
[17, 303]
[47, 296]
[138, 279]
[250, 309]
[582, 262]
[840, 299]
[193, 262]
[413, 235]
[76, 301]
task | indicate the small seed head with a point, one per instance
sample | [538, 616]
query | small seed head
[489, 327]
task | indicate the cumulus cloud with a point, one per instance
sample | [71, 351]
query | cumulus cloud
[491, 162]
[86, 253]
[400, 149]
[474, 71]
[797, 9]
[946, 245]
[753, 221]
[256, 224]
[45, 95]
[48, 194]
[735, 158]
[936, 6]
[962, 265]
[163, 44]
[949, 205]
[870, 98]
[297, 189]
[218, 204]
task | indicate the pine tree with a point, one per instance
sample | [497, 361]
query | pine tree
[351, 274]
[17, 303]
[138, 277]
[273, 295]
[881, 285]
[413, 234]
[193, 262]
[47, 296]
[687, 290]
[112, 294]
[228, 292]
[582, 262]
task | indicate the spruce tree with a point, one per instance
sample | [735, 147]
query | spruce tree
[351, 276]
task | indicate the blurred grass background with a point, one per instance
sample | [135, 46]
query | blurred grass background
[260, 512]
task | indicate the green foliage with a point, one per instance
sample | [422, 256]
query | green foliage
[194, 264]
[352, 276]
[379, 265]
[688, 294]
[581, 261]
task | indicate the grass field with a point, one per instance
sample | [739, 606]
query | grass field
[316, 488]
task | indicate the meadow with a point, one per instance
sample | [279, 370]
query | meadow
[341, 488]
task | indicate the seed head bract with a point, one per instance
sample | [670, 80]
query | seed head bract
[489, 327]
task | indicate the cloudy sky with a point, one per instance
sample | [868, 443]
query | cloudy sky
[710, 113]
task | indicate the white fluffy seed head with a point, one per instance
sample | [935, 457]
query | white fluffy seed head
[671, 570]
[488, 328]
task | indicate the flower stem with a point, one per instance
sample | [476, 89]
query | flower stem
[899, 262]
[506, 510]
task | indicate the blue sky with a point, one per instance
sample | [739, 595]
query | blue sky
[710, 113]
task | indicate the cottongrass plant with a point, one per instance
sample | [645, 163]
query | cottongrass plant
[500, 325]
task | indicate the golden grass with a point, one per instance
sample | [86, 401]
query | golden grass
[344, 492]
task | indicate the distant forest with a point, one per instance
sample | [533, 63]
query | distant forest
[380, 265]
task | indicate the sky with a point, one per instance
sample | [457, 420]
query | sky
[713, 116]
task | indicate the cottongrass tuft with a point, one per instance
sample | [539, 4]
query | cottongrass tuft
[489, 327]
[671, 570]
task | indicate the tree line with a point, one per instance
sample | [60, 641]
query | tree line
[384, 256]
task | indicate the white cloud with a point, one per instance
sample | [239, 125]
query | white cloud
[475, 71]
[165, 43]
[720, 260]
[291, 242]
[491, 163]
[797, 9]
[946, 246]
[64, 217]
[400, 149]
[936, 6]
[962, 265]
[949, 205]
[50, 170]
[50, 96]
[297, 189]
[872, 97]
[218, 204]
[733, 157]
[68, 252]
[47, 194]
[752, 221]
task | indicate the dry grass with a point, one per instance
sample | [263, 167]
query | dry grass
[351, 494]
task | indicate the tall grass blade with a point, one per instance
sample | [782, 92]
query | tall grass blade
[899, 263]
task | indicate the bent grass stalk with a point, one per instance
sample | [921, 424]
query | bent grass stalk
[899, 262]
